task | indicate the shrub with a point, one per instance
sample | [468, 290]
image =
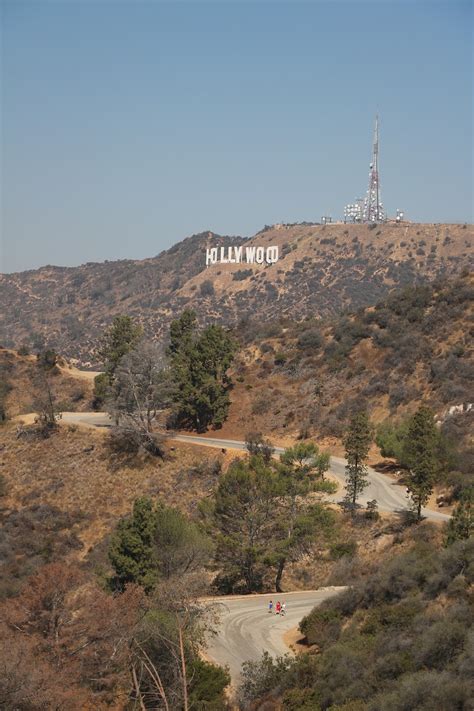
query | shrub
[207, 288]
[242, 274]
[322, 626]
[310, 339]
[280, 358]
[343, 548]
[261, 405]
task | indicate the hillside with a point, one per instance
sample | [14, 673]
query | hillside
[400, 639]
[306, 379]
[71, 388]
[321, 270]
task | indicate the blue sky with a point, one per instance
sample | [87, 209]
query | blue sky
[127, 126]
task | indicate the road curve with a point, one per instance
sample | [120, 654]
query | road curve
[246, 629]
[390, 496]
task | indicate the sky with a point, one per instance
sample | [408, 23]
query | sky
[127, 126]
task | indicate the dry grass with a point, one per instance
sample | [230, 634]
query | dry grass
[71, 386]
[73, 471]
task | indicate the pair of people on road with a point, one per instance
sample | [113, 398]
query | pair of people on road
[280, 608]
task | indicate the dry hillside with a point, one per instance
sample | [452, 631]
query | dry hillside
[322, 270]
[307, 378]
[18, 374]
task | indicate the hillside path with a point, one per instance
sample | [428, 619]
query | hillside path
[390, 496]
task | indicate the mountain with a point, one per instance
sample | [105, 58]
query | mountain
[322, 270]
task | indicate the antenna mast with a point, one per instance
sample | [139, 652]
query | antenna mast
[373, 207]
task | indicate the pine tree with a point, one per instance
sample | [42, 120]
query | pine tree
[357, 444]
[420, 454]
[245, 511]
[461, 523]
[199, 365]
[118, 340]
[131, 548]
[301, 472]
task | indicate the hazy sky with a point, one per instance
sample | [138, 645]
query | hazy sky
[127, 126]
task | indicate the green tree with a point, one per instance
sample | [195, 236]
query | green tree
[461, 523]
[256, 444]
[131, 547]
[179, 545]
[245, 507]
[101, 390]
[305, 461]
[118, 340]
[420, 454]
[301, 472]
[357, 443]
[199, 368]
[390, 438]
[156, 543]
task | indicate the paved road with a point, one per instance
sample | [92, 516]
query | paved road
[390, 496]
[246, 629]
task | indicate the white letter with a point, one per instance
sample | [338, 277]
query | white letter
[238, 254]
[250, 254]
[260, 256]
[223, 260]
[212, 255]
[272, 255]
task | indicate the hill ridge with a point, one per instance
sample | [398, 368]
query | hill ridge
[322, 270]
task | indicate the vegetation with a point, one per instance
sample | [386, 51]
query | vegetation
[461, 523]
[397, 640]
[199, 369]
[420, 455]
[5, 388]
[357, 443]
[119, 339]
[156, 542]
[140, 390]
[263, 516]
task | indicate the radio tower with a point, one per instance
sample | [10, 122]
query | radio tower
[373, 207]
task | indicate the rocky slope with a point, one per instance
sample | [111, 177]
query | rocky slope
[321, 270]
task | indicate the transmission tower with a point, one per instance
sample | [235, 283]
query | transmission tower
[373, 207]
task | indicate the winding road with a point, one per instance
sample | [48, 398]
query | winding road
[390, 496]
[246, 629]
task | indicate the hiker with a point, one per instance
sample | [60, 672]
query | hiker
[270, 606]
[278, 607]
[283, 608]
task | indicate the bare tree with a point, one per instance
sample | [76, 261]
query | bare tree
[140, 391]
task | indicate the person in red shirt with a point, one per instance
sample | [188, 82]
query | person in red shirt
[278, 607]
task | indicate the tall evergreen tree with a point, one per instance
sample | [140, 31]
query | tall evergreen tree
[301, 472]
[420, 454]
[122, 336]
[199, 367]
[118, 340]
[245, 509]
[357, 443]
[131, 548]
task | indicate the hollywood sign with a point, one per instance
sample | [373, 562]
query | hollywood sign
[237, 255]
